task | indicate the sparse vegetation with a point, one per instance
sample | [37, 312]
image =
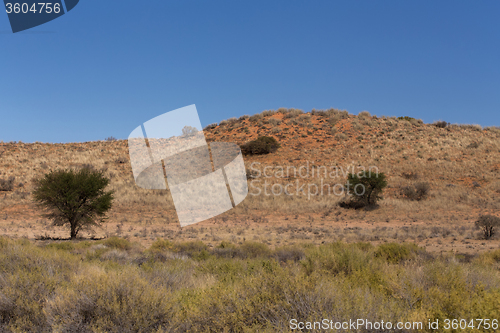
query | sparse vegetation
[271, 258]
[90, 287]
[463, 178]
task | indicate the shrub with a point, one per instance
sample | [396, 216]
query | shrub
[268, 113]
[416, 122]
[260, 146]
[111, 138]
[364, 114]
[292, 113]
[64, 246]
[441, 124]
[493, 129]
[118, 243]
[473, 127]
[338, 258]
[161, 245]
[251, 174]
[304, 119]
[189, 131]
[289, 254]
[335, 117]
[196, 250]
[341, 137]
[365, 189]
[256, 117]
[405, 118]
[121, 160]
[73, 197]
[274, 121]
[409, 175]
[416, 192]
[255, 250]
[473, 145]
[228, 250]
[488, 224]
[319, 113]
[210, 126]
[101, 301]
[395, 253]
[7, 184]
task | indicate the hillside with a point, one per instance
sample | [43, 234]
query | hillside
[460, 163]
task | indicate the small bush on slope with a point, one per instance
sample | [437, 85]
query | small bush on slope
[260, 146]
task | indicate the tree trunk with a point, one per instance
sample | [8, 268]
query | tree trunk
[73, 231]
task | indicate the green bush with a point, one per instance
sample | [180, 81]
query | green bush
[260, 146]
[365, 189]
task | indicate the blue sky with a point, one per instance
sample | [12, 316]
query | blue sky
[108, 66]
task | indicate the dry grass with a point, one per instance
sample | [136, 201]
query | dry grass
[118, 286]
[460, 163]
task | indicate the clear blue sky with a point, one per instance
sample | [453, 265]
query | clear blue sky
[107, 66]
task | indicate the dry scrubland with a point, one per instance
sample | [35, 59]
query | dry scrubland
[113, 285]
[272, 258]
[461, 163]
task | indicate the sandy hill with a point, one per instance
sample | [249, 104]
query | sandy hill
[460, 163]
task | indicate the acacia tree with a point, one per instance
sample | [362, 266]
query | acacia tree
[76, 198]
[365, 189]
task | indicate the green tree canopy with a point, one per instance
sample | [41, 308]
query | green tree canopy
[76, 198]
[365, 189]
